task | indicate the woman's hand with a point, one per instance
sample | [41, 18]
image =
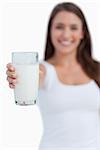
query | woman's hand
[11, 75]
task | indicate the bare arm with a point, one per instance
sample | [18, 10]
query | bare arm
[42, 73]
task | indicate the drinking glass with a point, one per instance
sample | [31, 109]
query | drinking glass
[27, 69]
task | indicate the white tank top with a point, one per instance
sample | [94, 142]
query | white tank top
[70, 114]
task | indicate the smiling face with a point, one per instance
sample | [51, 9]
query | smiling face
[66, 32]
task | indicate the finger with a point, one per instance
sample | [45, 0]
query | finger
[11, 74]
[10, 67]
[10, 80]
[11, 86]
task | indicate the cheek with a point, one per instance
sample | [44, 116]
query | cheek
[78, 36]
[54, 35]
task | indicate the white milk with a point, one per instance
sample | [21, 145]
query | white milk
[26, 90]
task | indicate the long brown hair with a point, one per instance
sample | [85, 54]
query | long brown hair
[84, 52]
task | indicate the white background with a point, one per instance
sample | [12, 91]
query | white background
[23, 25]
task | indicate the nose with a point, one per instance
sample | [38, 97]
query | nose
[66, 33]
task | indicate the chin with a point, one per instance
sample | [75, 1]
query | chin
[65, 51]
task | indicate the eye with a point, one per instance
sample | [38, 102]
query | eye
[59, 27]
[74, 28]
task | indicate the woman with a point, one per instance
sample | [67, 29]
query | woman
[69, 98]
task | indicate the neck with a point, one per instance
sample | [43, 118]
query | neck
[65, 60]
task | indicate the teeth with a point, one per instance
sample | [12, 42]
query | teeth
[66, 43]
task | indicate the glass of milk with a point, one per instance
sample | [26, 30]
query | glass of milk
[27, 69]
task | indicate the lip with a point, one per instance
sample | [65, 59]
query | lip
[66, 43]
